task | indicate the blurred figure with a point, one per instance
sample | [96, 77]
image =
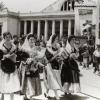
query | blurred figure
[85, 55]
[21, 40]
[96, 59]
[15, 40]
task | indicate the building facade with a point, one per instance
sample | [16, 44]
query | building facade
[63, 17]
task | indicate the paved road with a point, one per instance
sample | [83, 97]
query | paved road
[90, 86]
[74, 97]
[90, 82]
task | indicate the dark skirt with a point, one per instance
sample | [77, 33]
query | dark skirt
[69, 72]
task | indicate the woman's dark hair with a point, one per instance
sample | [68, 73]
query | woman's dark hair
[44, 43]
[54, 37]
[15, 36]
[60, 43]
[7, 33]
[70, 38]
[37, 43]
[29, 36]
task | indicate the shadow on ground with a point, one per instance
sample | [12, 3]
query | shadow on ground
[71, 97]
[68, 97]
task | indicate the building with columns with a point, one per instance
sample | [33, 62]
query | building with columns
[63, 17]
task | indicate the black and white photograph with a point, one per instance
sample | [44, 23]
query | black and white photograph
[49, 49]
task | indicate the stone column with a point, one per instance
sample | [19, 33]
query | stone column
[53, 27]
[46, 30]
[69, 27]
[25, 27]
[67, 6]
[19, 30]
[61, 28]
[77, 22]
[38, 33]
[32, 25]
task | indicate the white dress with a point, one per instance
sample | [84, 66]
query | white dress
[9, 83]
[52, 75]
[30, 85]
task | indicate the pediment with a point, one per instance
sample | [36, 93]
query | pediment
[56, 6]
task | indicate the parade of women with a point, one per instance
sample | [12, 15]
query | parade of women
[23, 60]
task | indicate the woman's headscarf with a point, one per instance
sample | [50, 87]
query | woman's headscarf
[26, 45]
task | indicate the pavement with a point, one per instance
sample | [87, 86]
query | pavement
[90, 82]
[90, 88]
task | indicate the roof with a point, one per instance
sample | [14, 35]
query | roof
[54, 6]
[57, 5]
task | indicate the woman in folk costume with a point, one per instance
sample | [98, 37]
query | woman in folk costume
[40, 55]
[30, 73]
[53, 67]
[70, 71]
[9, 78]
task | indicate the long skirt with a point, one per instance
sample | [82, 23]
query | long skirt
[9, 83]
[70, 76]
[31, 86]
[52, 77]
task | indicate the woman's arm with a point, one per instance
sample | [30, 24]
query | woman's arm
[50, 50]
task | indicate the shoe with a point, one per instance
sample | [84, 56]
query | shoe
[66, 93]
[45, 94]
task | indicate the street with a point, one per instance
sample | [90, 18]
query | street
[90, 82]
[90, 88]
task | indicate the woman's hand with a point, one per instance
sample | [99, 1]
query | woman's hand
[73, 55]
[6, 56]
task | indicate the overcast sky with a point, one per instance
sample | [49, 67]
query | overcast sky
[27, 5]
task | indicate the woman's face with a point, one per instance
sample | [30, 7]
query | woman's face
[55, 42]
[8, 37]
[31, 41]
[58, 45]
[72, 42]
